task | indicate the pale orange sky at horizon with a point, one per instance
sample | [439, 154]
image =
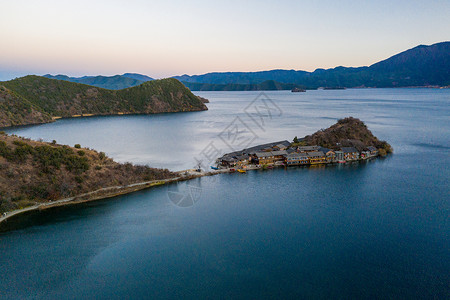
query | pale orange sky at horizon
[163, 39]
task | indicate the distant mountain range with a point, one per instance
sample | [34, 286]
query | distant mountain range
[35, 99]
[419, 66]
[116, 82]
[268, 85]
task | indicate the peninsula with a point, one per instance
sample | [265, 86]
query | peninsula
[35, 99]
[347, 140]
[39, 175]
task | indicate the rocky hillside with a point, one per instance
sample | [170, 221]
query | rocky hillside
[32, 172]
[40, 99]
[348, 132]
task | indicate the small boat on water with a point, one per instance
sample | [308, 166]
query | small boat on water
[241, 171]
[232, 170]
[214, 168]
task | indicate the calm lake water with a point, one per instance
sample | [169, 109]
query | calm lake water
[378, 229]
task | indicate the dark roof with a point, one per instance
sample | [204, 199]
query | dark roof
[228, 159]
[290, 150]
[349, 149]
[372, 148]
[280, 146]
[280, 152]
[263, 154]
[296, 155]
[316, 154]
[308, 148]
[242, 157]
[324, 150]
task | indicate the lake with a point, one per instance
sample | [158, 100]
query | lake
[377, 229]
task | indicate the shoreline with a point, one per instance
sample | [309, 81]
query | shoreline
[110, 192]
[83, 116]
[113, 191]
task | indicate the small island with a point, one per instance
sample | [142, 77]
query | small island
[346, 141]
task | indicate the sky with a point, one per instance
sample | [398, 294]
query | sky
[171, 37]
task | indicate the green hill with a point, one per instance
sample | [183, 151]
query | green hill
[35, 99]
[347, 132]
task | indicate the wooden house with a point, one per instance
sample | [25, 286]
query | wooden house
[316, 157]
[265, 158]
[350, 153]
[295, 159]
[279, 155]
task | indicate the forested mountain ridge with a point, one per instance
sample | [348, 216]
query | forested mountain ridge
[35, 99]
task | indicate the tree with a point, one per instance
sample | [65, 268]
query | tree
[296, 140]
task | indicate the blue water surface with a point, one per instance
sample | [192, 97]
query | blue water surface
[378, 229]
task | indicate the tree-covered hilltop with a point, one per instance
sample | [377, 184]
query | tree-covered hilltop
[347, 132]
[32, 172]
[42, 98]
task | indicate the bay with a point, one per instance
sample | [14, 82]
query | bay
[364, 230]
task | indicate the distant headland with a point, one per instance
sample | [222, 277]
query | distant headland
[35, 99]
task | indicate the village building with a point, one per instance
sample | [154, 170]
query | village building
[279, 155]
[265, 158]
[316, 157]
[290, 150]
[295, 159]
[350, 153]
[330, 156]
[339, 156]
[308, 148]
[280, 147]
[243, 160]
[228, 161]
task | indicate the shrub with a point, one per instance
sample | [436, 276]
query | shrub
[81, 153]
[102, 155]
[78, 146]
